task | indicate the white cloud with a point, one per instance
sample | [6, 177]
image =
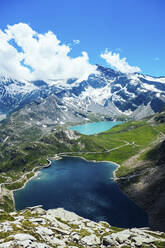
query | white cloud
[40, 56]
[76, 42]
[113, 59]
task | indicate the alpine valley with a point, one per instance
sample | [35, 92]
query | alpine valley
[35, 116]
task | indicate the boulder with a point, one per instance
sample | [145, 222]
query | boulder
[6, 245]
[58, 242]
[44, 231]
[91, 240]
[75, 237]
[122, 236]
[109, 241]
[38, 221]
[139, 240]
[61, 231]
[23, 236]
[64, 215]
[39, 211]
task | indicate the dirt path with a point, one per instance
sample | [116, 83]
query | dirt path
[24, 176]
[81, 152]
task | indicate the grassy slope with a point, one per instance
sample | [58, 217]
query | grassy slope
[142, 133]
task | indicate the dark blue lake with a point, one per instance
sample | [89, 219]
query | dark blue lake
[86, 188]
[95, 127]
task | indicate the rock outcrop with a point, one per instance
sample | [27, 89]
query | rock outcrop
[37, 228]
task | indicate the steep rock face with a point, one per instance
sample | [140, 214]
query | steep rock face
[37, 228]
[107, 91]
[14, 94]
[47, 113]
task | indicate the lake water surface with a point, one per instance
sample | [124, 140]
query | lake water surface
[86, 188]
[95, 127]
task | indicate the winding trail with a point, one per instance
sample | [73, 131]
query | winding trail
[86, 152]
[24, 176]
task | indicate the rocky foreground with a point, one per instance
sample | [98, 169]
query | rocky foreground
[37, 228]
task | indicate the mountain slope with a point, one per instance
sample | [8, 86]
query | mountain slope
[145, 183]
[109, 92]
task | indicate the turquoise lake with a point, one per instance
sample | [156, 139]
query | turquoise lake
[95, 127]
[86, 188]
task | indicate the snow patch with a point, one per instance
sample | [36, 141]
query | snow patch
[150, 87]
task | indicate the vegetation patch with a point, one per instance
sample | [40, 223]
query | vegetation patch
[4, 216]
[7, 204]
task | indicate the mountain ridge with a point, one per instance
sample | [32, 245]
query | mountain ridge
[108, 91]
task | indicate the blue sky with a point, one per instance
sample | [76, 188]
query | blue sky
[133, 28]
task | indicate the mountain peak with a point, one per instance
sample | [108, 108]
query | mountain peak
[109, 92]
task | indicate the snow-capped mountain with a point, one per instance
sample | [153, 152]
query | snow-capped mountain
[107, 91]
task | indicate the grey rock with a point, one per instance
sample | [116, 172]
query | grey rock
[64, 215]
[91, 240]
[38, 220]
[139, 240]
[6, 227]
[44, 231]
[72, 246]
[75, 237]
[39, 211]
[122, 236]
[6, 245]
[109, 241]
[62, 231]
[59, 242]
[23, 236]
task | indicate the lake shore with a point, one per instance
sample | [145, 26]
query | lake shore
[114, 172]
[35, 175]
[57, 157]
